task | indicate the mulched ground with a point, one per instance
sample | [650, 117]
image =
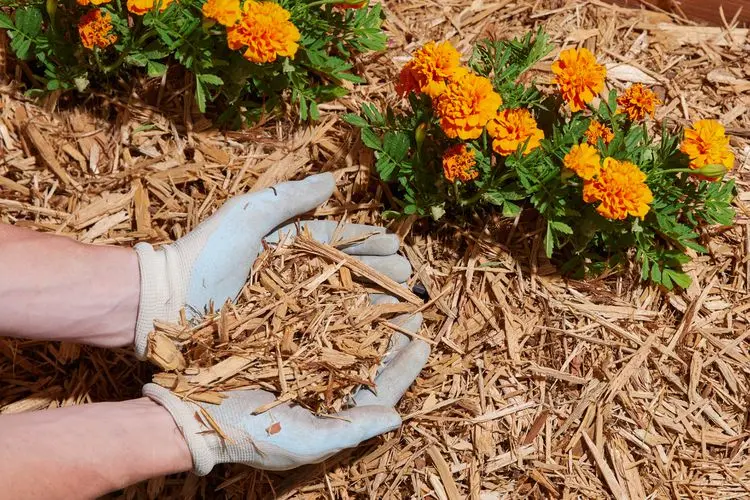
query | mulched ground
[537, 385]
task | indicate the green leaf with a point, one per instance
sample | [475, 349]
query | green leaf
[562, 227]
[29, 21]
[681, 279]
[155, 69]
[355, 120]
[21, 47]
[5, 22]
[510, 209]
[371, 139]
[549, 241]
[210, 79]
[396, 145]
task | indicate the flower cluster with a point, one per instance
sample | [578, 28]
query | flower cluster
[95, 30]
[707, 144]
[264, 31]
[609, 185]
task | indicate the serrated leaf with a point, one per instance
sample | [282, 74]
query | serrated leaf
[29, 21]
[396, 145]
[356, 120]
[155, 69]
[5, 22]
[371, 139]
[510, 209]
[681, 279]
[210, 79]
[562, 227]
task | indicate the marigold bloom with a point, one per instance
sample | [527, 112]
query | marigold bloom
[466, 106]
[92, 2]
[598, 131]
[430, 70]
[707, 144]
[266, 31]
[140, 7]
[584, 160]
[511, 128]
[226, 12]
[621, 188]
[579, 77]
[638, 101]
[95, 30]
[458, 163]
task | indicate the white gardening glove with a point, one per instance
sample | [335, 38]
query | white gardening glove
[288, 435]
[212, 263]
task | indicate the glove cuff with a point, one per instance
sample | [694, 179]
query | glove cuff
[154, 295]
[187, 420]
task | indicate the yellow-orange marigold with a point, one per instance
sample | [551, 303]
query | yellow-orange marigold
[140, 7]
[707, 144]
[458, 164]
[638, 101]
[579, 77]
[621, 188]
[584, 160]
[92, 2]
[95, 30]
[226, 12]
[430, 70]
[598, 131]
[266, 31]
[466, 106]
[511, 128]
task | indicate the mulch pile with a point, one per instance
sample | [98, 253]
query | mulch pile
[537, 385]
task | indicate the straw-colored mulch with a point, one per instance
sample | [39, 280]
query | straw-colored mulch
[536, 386]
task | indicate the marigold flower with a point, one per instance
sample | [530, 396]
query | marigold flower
[466, 106]
[94, 2]
[430, 70]
[266, 31]
[598, 131]
[638, 101]
[621, 188]
[458, 163]
[511, 128]
[95, 30]
[584, 160]
[579, 77]
[707, 144]
[226, 12]
[140, 7]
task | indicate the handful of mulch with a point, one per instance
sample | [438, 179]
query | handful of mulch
[302, 328]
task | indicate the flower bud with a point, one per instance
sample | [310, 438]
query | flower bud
[52, 8]
[711, 171]
[420, 134]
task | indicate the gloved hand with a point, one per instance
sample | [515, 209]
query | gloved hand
[212, 263]
[289, 436]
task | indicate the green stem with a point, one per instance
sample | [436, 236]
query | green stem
[677, 170]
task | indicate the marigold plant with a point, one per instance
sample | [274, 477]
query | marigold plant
[611, 187]
[247, 57]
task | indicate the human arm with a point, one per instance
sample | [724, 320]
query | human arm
[86, 451]
[55, 288]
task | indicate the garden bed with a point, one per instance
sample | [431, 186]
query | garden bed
[536, 385]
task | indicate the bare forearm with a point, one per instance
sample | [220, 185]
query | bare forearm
[54, 288]
[86, 451]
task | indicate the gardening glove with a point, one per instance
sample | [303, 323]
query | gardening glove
[288, 436]
[212, 263]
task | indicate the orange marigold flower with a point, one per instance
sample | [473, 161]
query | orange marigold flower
[707, 144]
[458, 163]
[140, 7]
[621, 188]
[584, 160]
[266, 31]
[466, 106]
[598, 131]
[94, 2]
[579, 77]
[638, 101]
[226, 12]
[95, 30]
[430, 70]
[511, 128]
